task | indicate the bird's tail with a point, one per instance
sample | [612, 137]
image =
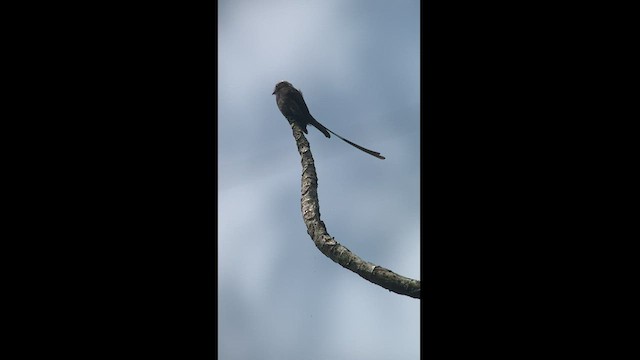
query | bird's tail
[370, 152]
[326, 132]
[320, 127]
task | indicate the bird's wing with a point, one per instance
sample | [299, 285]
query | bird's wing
[298, 106]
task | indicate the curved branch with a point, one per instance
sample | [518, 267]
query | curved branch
[327, 244]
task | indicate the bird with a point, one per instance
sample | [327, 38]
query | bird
[293, 107]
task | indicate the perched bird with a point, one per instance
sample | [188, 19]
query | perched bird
[293, 107]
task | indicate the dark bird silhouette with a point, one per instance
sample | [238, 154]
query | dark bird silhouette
[293, 107]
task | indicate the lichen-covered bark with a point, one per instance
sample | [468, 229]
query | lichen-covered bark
[327, 244]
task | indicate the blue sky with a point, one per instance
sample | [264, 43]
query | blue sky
[357, 63]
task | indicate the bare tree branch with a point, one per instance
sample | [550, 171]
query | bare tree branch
[327, 244]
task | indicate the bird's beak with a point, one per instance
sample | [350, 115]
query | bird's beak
[273, 93]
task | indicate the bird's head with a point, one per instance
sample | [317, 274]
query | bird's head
[281, 85]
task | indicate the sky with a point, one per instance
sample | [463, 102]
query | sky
[357, 63]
